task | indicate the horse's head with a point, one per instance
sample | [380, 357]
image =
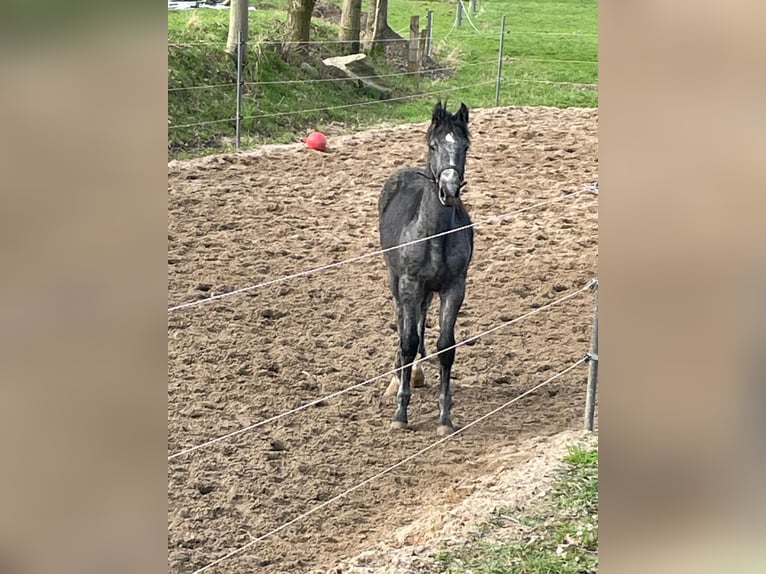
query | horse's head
[448, 141]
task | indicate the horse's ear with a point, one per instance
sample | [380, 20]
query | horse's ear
[462, 113]
[438, 113]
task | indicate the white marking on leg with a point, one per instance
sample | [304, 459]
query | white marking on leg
[393, 387]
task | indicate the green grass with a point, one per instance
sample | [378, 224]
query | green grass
[196, 39]
[560, 537]
[525, 19]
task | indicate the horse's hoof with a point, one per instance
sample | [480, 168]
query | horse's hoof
[418, 377]
[399, 425]
[393, 387]
[444, 430]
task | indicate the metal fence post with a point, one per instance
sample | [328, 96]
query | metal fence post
[590, 398]
[500, 62]
[429, 28]
[459, 12]
[473, 6]
[239, 87]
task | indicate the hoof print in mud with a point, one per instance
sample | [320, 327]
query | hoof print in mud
[205, 488]
[277, 445]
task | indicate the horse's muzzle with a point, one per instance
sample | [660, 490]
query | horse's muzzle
[449, 191]
[446, 199]
[449, 183]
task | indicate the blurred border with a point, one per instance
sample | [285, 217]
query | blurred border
[83, 222]
[682, 406]
[682, 401]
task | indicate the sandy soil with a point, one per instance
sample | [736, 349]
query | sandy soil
[237, 220]
[518, 477]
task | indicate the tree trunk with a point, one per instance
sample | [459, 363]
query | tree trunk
[350, 20]
[299, 19]
[378, 29]
[238, 17]
[381, 18]
[370, 28]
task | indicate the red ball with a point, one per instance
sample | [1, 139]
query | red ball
[316, 140]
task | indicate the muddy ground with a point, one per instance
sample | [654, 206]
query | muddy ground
[238, 220]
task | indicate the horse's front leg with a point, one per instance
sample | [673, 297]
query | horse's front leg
[418, 376]
[451, 300]
[410, 298]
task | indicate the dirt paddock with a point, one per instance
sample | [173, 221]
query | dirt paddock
[242, 219]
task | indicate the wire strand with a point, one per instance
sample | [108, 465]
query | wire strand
[511, 32]
[372, 77]
[312, 42]
[335, 264]
[202, 123]
[573, 34]
[256, 42]
[403, 461]
[205, 87]
[196, 43]
[552, 60]
[392, 75]
[402, 40]
[371, 103]
[532, 81]
[466, 16]
[378, 377]
[343, 106]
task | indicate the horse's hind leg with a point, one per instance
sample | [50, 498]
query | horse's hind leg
[393, 385]
[422, 322]
[451, 300]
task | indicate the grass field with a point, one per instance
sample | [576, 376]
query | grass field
[546, 41]
[560, 537]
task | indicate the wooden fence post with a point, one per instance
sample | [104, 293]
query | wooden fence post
[413, 62]
[429, 28]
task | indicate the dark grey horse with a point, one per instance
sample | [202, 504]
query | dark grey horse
[416, 203]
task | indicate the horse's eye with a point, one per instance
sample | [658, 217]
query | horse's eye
[432, 145]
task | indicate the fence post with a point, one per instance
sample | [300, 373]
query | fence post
[429, 29]
[240, 46]
[500, 62]
[473, 6]
[459, 12]
[413, 64]
[590, 398]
